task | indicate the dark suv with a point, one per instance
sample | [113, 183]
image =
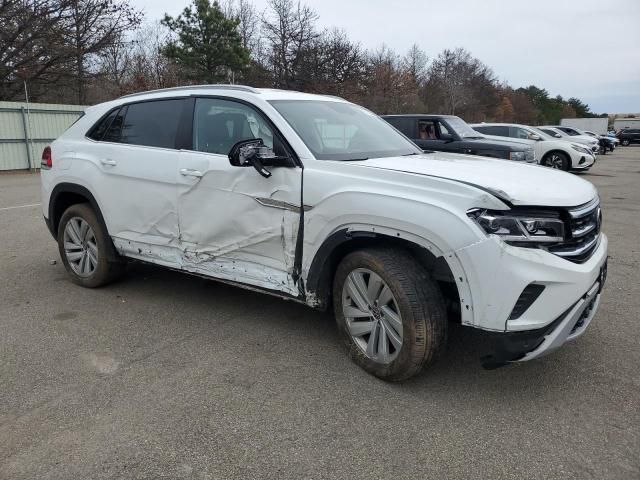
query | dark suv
[629, 135]
[448, 133]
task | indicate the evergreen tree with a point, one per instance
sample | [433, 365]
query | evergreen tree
[207, 43]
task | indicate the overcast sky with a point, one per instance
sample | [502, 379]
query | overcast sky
[589, 49]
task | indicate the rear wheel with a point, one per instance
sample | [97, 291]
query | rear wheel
[82, 244]
[557, 160]
[390, 313]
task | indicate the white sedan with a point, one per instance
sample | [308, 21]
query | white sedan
[550, 151]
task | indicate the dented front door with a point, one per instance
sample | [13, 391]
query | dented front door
[235, 224]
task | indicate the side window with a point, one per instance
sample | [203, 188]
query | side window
[442, 130]
[115, 127]
[99, 129]
[406, 125]
[427, 130]
[521, 133]
[219, 124]
[496, 130]
[153, 124]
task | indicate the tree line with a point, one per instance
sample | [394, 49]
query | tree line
[89, 51]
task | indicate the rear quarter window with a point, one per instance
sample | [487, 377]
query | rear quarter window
[99, 129]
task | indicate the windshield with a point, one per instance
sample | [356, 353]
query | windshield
[542, 133]
[554, 133]
[342, 131]
[462, 128]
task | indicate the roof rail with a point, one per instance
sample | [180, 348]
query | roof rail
[242, 88]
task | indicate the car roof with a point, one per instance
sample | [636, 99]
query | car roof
[495, 124]
[216, 89]
[418, 115]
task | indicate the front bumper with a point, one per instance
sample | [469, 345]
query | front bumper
[528, 345]
[497, 275]
[585, 162]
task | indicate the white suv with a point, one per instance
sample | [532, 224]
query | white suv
[550, 151]
[318, 200]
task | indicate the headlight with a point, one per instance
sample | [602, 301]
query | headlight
[517, 156]
[580, 149]
[516, 227]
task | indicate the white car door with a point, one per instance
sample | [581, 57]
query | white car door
[136, 190]
[234, 223]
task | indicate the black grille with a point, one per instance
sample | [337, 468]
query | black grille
[584, 233]
[529, 295]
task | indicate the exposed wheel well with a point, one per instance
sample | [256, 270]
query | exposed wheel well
[340, 244]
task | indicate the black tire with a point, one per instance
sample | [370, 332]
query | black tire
[559, 159]
[420, 304]
[105, 271]
[626, 142]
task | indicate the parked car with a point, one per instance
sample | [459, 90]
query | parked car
[550, 151]
[564, 134]
[209, 181]
[609, 143]
[629, 136]
[448, 133]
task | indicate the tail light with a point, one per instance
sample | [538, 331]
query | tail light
[47, 160]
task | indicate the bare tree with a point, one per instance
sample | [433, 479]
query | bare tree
[30, 46]
[460, 84]
[150, 69]
[289, 33]
[415, 63]
[115, 63]
[92, 26]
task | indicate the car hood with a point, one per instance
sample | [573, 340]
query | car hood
[513, 182]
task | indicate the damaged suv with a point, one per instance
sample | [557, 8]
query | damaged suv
[316, 199]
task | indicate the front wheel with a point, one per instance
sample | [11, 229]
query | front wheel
[625, 142]
[82, 243]
[557, 161]
[390, 313]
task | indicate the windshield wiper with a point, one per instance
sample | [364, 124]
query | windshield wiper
[409, 154]
[355, 159]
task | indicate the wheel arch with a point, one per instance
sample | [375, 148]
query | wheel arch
[66, 194]
[444, 268]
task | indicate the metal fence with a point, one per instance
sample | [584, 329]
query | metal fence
[26, 129]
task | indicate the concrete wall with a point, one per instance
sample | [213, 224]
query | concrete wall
[24, 132]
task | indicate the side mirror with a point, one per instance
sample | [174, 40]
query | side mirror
[447, 137]
[533, 136]
[254, 153]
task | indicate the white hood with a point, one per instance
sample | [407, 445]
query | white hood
[519, 184]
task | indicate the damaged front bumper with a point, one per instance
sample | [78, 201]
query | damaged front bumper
[521, 346]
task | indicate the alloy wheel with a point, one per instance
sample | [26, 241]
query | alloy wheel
[372, 315]
[555, 161]
[80, 247]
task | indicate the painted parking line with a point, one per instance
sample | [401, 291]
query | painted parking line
[21, 206]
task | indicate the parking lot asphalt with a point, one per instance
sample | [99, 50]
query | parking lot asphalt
[163, 375]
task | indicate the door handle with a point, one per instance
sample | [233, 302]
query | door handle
[189, 172]
[108, 161]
